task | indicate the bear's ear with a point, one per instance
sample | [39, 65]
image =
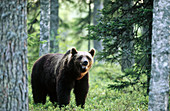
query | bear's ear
[73, 51]
[92, 52]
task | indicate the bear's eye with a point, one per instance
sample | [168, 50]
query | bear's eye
[88, 58]
[79, 58]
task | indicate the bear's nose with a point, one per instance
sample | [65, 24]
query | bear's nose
[85, 63]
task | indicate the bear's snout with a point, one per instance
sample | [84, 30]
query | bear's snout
[85, 63]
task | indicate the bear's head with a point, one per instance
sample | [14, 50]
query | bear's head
[82, 61]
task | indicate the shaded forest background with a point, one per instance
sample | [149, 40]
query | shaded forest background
[130, 37]
[124, 27]
[121, 33]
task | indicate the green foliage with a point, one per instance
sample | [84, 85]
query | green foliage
[33, 26]
[99, 96]
[122, 24]
[33, 49]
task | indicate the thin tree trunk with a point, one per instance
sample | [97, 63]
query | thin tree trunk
[147, 31]
[89, 44]
[13, 57]
[44, 27]
[54, 24]
[159, 83]
[98, 5]
[127, 48]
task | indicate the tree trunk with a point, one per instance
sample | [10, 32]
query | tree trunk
[44, 27]
[148, 57]
[147, 31]
[89, 21]
[159, 83]
[127, 48]
[13, 57]
[98, 5]
[54, 24]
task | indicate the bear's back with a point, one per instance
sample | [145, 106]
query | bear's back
[44, 69]
[47, 63]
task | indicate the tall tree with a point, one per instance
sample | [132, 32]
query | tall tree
[54, 24]
[159, 83]
[127, 60]
[98, 5]
[147, 33]
[89, 22]
[44, 27]
[119, 41]
[13, 57]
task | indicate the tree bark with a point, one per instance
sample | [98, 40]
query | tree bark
[159, 83]
[44, 27]
[98, 5]
[13, 57]
[54, 24]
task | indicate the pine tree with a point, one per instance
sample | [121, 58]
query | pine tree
[127, 60]
[98, 5]
[13, 57]
[120, 30]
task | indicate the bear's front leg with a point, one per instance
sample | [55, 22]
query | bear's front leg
[63, 98]
[63, 93]
[80, 90]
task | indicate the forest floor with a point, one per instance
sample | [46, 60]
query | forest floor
[100, 97]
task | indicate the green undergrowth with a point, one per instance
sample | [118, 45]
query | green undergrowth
[100, 97]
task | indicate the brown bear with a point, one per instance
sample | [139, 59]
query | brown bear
[56, 75]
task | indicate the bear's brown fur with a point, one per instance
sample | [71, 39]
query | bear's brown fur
[57, 74]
